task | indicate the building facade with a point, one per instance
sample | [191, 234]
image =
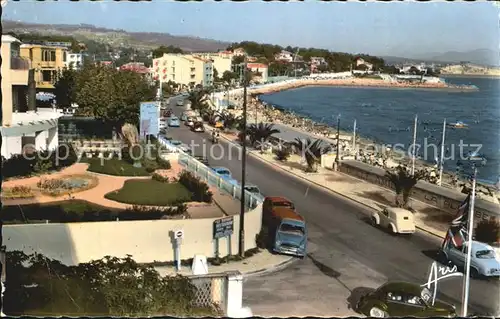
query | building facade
[185, 69]
[21, 127]
[260, 70]
[221, 61]
[74, 61]
[47, 61]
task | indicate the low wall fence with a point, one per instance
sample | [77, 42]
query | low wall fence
[445, 199]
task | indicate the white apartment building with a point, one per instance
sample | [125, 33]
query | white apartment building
[22, 127]
[221, 61]
[284, 56]
[184, 69]
[73, 60]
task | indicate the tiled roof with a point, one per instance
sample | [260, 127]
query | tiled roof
[256, 65]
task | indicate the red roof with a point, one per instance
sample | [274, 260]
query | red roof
[256, 65]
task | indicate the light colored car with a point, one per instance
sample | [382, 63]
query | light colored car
[183, 147]
[180, 102]
[162, 124]
[173, 122]
[190, 121]
[484, 260]
[222, 171]
[395, 220]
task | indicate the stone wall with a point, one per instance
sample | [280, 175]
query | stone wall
[445, 199]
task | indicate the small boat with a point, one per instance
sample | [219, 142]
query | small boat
[458, 124]
[475, 156]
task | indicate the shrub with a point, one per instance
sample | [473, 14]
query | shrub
[160, 178]
[163, 163]
[488, 231]
[110, 286]
[263, 239]
[283, 154]
[150, 165]
[51, 184]
[199, 189]
[17, 192]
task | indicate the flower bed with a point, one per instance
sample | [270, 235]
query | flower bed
[67, 184]
[17, 192]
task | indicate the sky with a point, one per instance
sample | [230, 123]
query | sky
[405, 28]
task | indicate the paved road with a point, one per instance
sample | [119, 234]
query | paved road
[343, 246]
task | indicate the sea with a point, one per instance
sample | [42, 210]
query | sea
[387, 115]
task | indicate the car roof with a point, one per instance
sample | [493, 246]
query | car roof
[401, 286]
[278, 199]
[250, 185]
[397, 210]
[287, 213]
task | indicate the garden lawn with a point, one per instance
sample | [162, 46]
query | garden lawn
[150, 192]
[114, 167]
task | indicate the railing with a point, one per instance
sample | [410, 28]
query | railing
[227, 185]
[17, 63]
[211, 291]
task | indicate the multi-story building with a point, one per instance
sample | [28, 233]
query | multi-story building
[221, 61]
[260, 70]
[22, 127]
[47, 61]
[74, 61]
[284, 56]
[184, 69]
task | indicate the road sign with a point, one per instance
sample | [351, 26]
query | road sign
[223, 227]
[179, 234]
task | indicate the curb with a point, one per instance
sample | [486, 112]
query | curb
[274, 268]
[324, 187]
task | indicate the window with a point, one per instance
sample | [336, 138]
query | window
[48, 55]
[283, 204]
[394, 296]
[485, 254]
[413, 300]
[292, 229]
[46, 76]
[385, 212]
[65, 56]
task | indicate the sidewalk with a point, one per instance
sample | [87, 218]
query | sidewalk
[427, 218]
[260, 263]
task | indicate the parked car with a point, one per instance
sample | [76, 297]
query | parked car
[174, 122]
[286, 228]
[395, 220]
[484, 260]
[222, 171]
[190, 121]
[271, 203]
[181, 146]
[202, 159]
[180, 102]
[402, 299]
[184, 116]
[162, 123]
[198, 127]
[252, 188]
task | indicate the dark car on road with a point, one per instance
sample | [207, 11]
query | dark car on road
[202, 159]
[403, 299]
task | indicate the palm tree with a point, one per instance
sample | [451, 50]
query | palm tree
[260, 133]
[198, 98]
[403, 182]
[311, 151]
[230, 121]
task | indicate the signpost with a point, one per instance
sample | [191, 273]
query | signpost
[178, 236]
[149, 118]
[223, 227]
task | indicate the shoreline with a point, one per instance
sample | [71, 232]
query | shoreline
[359, 83]
[271, 114]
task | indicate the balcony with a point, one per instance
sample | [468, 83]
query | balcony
[19, 71]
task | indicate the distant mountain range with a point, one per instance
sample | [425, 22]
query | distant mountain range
[150, 40]
[483, 57]
[117, 38]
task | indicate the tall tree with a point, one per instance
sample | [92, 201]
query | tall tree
[64, 88]
[403, 182]
[311, 151]
[158, 52]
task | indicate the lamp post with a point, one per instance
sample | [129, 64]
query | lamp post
[354, 138]
[243, 164]
[441, 159]
[337, 156]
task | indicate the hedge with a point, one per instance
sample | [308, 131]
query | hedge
[199, 189]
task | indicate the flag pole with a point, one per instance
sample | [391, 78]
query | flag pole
[465, 298]
[442, 155]
[414, 142]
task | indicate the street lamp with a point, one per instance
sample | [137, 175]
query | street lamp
[337, 156]
[243, 164]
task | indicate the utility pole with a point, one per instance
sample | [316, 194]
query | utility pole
[243, 164]
[337, 156]
[413, 146]
[354, 138]
[465, 295]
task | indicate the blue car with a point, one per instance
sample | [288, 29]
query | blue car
[222, 171]
[174, 122]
